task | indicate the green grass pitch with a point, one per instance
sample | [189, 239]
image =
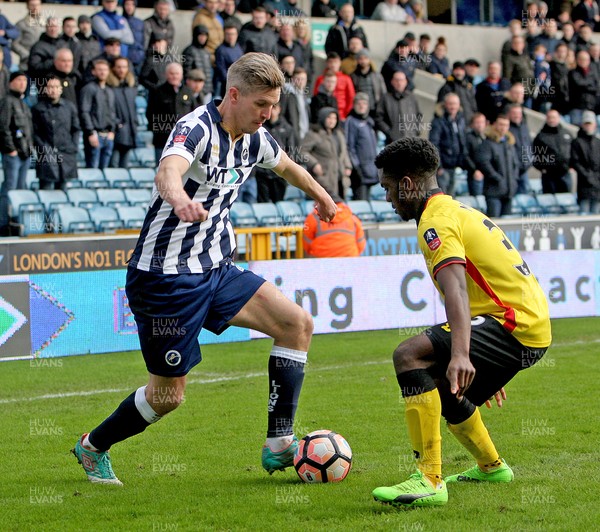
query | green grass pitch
[199, 468]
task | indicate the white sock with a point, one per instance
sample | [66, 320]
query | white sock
[280, 443]
[86, 443]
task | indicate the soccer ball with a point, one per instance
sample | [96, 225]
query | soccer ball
[323, 456]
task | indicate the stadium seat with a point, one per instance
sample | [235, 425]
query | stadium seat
[52, 199]
[132, 217]
[31, 180]
[567, 202]
[83, 197]
[141, 103]
[293, 194]
[25, 208]
[92, 178]
[549, 204]
[242, 215]
[290, 212]
[527, 203]
[105, 218]
[266, 214]
[469, 201]
[143, 177]
[308, 206]
[536, 186]
[138, 197]
[482, 203]
[112, 197]
[72, 183]
[143, 139]
[73, 220]
[377, 193]
[384, 211]
[461, 188]
[362, 209]
[145, 157]
[118, 177]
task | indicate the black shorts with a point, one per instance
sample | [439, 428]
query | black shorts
[495, 353]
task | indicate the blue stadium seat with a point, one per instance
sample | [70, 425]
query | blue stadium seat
[25, 208]
[567, 202]
[118, 177]
[145, 157]
[138, 197]
[290, 212]
[132, 217]
[482, 203]
[293, 193]
[308, 206]
[384, 211]
[73, 220]
[112, 197]
[105, 218]
[141, 103]
[242, 215]
[72, 183]
[52, 199]
[266, 214]
[535, 185]
[92, 178]
[549, 204]
[362, 209]
[31, 180]
[83, 197]
[143, 139]
[469, 201]
[143, 177]
[377, 193]
[528, 204]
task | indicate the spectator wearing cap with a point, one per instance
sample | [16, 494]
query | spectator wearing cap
[256, 36]
[112, 50]
[225, 55]
[195, 80]
[8, 32]
[367, 80]
[489, 94]
[42, 52]
[209, 17]
[472, 72]
[323, 8]
[343, 236]
[16, 142]
[196, 56]
[122, 81]
[159, 24]
[390, 11]
[288, 45]
[340, 33]
[30, 29]
[90, 45]
[295, 103]
[584, 87]
[361, 139]
[154, 68]
[137, 51]
[344, 90]
[447, 133]
[458, 84]
[585, 160]
[439, 64]
[398, 114]
[108, 23]
[349, 62]
[399, 59]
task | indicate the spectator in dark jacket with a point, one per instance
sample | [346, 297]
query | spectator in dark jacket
[69, 40]
[195, 80]
[112, 50]
[229, 15]
[323, 8]
[159, 23]
[325, 97]
[439, 64]
[490, 92]
[458, 84]
[225, 55]
[368, 80]
[498, 162]
[518, 66]
[98, 118]
[551, 154]
[361, 139]
[520, 131]
[583, 40]
[122, 81]
[548, 38]
[475, 138]
[302, 30]
[137, 51]
[256, 36]
[90, 45]
[154, 68]
[287, 45]
[559, 79]
[584, 87]
[4, 77]
[107, 23]
[30, 29]
[55, 138]
[270, 186]
[345, 27]
[587, 11]
[398, 114]
[197, 56]
[585, 160]
[42, 53]
[448, 135]
[8, 33]
[63, 69]
[295, 104]
[399, 59]
[16, 142]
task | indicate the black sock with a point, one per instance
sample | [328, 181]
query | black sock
[124, 422]
[285, 382]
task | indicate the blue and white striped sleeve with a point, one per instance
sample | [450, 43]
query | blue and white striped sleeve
[187, 139]
[271, 151]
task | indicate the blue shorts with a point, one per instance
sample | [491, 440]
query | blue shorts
[171, 309]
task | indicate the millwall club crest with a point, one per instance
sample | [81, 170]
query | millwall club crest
[432, 239]
[180, 134]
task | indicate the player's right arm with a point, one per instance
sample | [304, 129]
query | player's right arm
[169, 184]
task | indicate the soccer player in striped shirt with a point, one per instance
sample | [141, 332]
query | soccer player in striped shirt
[498, 324]
[181, 277]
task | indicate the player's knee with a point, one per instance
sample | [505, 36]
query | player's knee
[165, 399]
[403, 358]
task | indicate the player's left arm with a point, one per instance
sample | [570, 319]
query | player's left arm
[452, 282]
[297, 176]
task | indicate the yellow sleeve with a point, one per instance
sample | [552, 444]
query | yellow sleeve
[440, 240]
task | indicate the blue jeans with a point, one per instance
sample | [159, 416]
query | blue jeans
[589, 206]
[98, 157]
[523, 183]
[15, 175]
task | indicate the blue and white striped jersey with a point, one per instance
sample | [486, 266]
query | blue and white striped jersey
[218, 169]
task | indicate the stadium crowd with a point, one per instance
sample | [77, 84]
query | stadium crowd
[108, 77]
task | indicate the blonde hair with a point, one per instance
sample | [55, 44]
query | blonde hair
[255, 72]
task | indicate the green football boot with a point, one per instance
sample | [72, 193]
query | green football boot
[502, 474]
[96, 465]
[416, 491]
[278, 461]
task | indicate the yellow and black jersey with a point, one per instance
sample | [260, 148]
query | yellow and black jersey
[499, 282]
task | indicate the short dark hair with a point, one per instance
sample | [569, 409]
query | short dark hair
[229, 25]
[414, 157]
[299, 70]
[502, 116]
[333, 55]
[68, 19]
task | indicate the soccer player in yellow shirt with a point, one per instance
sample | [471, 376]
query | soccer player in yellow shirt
[498, 324]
